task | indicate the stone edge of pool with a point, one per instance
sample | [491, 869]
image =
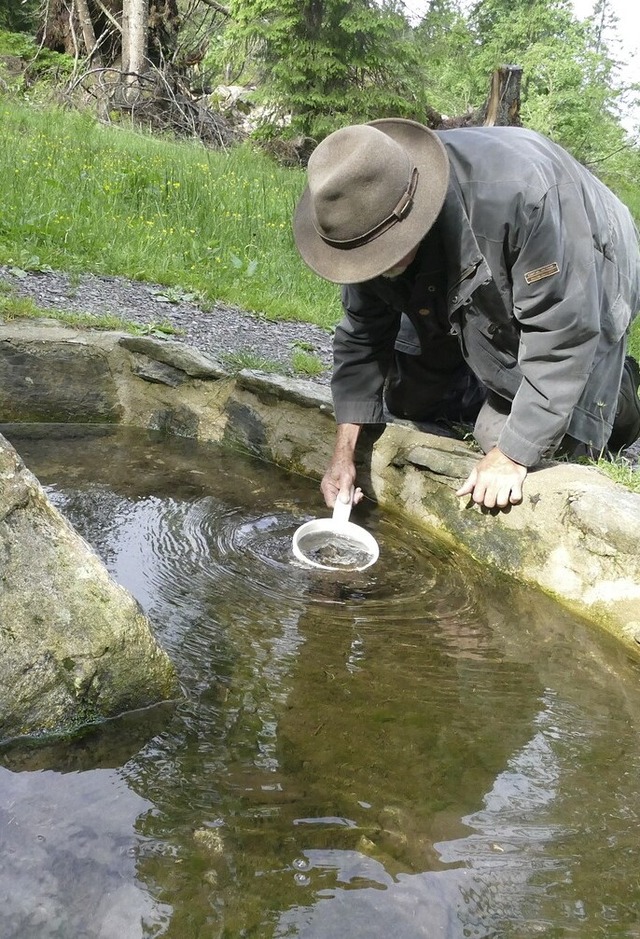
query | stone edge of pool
[575, 535]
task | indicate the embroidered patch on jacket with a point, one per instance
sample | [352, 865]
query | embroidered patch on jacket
[541, 272]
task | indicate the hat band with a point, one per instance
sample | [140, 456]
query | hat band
[399, 213]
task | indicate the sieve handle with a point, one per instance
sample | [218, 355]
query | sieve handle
[342, 510]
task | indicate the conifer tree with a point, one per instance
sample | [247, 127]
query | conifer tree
[324, 61]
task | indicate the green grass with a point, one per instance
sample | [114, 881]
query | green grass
[78, 196]
[237, 361]
[305, 363]
[21, 308]
[620, 471]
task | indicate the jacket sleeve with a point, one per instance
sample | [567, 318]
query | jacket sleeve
[559, 316]
[362, 353]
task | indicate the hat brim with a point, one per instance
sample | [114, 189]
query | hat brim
[355, 265]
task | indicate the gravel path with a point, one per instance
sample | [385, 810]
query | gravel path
[221, 331]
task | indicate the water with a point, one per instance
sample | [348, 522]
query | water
[417, 750]
[334, 551]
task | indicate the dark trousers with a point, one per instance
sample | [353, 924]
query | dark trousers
[447, 397]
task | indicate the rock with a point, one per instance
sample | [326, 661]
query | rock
[174, 356]
[75, 645]
[57, 381]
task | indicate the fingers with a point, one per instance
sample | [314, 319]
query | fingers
[496, 482]
[338, 482]
[493, 494]
[329, 489]
[468, 486]
[515, 496]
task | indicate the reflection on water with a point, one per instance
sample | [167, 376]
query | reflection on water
[417, 750]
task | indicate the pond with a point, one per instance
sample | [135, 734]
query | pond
[420, 749]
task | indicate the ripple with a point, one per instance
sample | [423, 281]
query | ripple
[171, 553]
[250, 552]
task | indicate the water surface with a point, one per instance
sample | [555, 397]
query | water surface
[416, 750]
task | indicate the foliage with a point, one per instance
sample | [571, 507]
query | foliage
[570, 88]
[445, 45]
[18, 15]
[326, 62]
[567, 89]
[39, 63]
[16, 43]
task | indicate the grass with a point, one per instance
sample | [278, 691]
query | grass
[14, 308]
[620, 471]
[304, 363]
[81, 197]
[237, 361]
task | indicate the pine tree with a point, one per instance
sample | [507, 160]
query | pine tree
[328, 62]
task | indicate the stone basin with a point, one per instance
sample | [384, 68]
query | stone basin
[575, 536]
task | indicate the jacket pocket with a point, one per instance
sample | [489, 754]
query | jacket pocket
[407, 339]
[615, 309]
[497, 368]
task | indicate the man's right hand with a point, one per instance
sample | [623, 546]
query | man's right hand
[339, 479]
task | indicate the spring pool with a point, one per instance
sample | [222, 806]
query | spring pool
[417, 750]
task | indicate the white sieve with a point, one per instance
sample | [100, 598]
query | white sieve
[335, 544]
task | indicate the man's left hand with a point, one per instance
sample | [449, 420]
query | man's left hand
[495, 482]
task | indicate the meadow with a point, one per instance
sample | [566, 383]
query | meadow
[79, 196]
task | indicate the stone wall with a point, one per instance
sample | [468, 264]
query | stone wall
[575, 535]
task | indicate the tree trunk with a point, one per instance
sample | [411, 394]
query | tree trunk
[135, 30]
[88, 32]
[502, 107]
[56, 32]
[74, 27]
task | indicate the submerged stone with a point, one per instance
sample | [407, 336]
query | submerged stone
[75, 646]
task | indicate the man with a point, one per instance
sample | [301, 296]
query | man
[488, 277]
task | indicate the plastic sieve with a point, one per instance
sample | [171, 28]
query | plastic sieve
[335, 544]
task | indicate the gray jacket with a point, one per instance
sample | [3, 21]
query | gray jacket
[539, 281]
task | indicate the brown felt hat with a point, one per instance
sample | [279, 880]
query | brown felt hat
[373, 192]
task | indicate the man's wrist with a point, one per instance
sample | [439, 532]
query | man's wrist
[346, 439]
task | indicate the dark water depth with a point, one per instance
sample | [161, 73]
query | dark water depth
[417, 750]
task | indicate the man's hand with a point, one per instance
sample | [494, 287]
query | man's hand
[495, 482]
[340, 476]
